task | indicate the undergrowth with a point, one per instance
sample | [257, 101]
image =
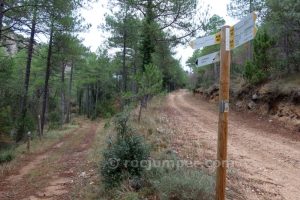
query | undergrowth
[123, 157]
[151, 182]
[6, 156]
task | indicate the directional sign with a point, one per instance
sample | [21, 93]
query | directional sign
[231, 38]
[243, 31]
[206, 41]
[208, 59]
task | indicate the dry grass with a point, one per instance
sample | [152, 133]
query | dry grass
[286, 85]
[154, 126]
[151, 125]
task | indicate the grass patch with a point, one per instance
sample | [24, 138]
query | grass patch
[48, 139]
[6, 156]
[169, 182]
[182, 184]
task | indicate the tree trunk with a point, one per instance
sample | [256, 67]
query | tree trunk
[124, 77]
[90, 103]
[146, 98]
[250, 6]
[87, 101]
[70, 94]
[140, 111]
[39, 127]
[287, 53]
[84, 100]
[27, 73]
[134, 82]
[79, 94]
[47, 76]
[1, 17]
[96, 101]
[62, 95]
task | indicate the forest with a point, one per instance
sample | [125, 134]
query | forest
[53, 80]
[74, 120]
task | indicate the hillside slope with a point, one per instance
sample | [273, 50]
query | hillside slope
[278, 99]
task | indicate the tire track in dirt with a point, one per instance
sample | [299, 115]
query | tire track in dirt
[266, 163]
[53, 174]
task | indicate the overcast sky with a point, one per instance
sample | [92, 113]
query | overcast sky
[94, 38]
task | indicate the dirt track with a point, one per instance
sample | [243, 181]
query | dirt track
[266, 156]
[54, 173]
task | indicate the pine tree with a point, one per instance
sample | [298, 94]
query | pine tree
[241, 8]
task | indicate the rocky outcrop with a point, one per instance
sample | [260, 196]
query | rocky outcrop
[279, 102]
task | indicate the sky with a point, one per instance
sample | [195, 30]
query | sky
[95, 15]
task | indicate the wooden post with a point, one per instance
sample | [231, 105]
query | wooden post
[28, 141]
[40, 127]
[223, 113]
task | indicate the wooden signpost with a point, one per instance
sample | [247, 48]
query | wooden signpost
[229, 38]
[206, 41]
[243, 31]
[223, 114]
[208, 59]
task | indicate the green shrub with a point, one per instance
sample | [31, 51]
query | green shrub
[54, 120]
[6, 156]
[253, 74]
[259, 69]
[6, 123]
[121, 123]
[122, 158]
[24, 125]
[262, 45]
[105, 109]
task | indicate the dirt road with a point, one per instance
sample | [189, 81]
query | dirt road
[54, 173]
[266, 157]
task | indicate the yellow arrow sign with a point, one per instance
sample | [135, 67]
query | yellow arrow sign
[218, 38]
[231, 37]
[243, 31]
